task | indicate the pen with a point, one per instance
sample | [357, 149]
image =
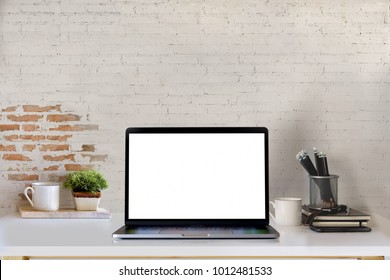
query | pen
[306, 162]
[324, 163]
[328, 198]
[316, 158]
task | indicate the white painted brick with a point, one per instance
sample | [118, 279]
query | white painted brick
[157, 68]
[192, 69]
[11, 27]
[180, 109]
[61, 60]
[218, 59]
[365, 58]
[231, 68]
[152, 109]
[184, 90]
[47, 28]
[138, 59]
[214, 99]
[108, 28]
[315, 72]
[229, 89]
[149, 89]
[39, 69]
[257, 59]
[117, 69]
[15, 70]
[105, 8]
[309, 68]
[179, 18]
[147, 79]
[73, 27]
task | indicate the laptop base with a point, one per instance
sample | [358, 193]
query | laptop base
[265, 232]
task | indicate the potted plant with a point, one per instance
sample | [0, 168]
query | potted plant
[86, 186]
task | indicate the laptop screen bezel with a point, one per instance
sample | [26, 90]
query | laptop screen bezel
[196, 222]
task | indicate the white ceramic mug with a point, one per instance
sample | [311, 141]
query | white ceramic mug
[45, 196]
[288, 211]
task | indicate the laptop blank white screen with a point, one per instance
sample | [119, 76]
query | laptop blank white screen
[196, 176]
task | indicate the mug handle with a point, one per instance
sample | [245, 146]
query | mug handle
[28, 198]
[273, 205]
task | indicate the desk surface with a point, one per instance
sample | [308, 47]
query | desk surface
[87, 237]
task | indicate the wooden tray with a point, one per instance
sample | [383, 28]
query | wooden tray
[27, 212]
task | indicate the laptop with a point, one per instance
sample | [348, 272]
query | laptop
[196, 183]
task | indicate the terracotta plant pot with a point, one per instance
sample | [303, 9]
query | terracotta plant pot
[85, 201]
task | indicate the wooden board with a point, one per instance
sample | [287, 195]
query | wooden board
[27, 212]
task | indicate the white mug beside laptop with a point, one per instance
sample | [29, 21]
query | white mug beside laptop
[45, 196]
[288, 211]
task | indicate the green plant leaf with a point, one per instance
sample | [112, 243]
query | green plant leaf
[85, 181]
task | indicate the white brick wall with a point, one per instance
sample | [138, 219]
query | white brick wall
[315, 72]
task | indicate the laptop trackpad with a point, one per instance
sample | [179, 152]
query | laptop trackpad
[197, 232]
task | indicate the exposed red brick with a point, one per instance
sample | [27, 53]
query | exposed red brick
[53, 147]
[7, 148]
[52, 168]
[16, 157]
[30, 127]
[12, 137]
[78, 127]
[63, 118]
[23, 177]
[7, 127]
[36, 108]
[29, 148]
[77, 167]
[60, 138]
[32, 137]
[93, 158]
[59, 158]
[24, 118]
[10, 109]
[88, 148]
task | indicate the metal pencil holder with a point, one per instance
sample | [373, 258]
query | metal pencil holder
[323, 191]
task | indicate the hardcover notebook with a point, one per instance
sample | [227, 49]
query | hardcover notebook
[350, 215]
[350, 220]
[196, 183]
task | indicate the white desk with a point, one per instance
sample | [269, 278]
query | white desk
[92, 238]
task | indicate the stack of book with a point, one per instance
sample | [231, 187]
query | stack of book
[349, 220]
